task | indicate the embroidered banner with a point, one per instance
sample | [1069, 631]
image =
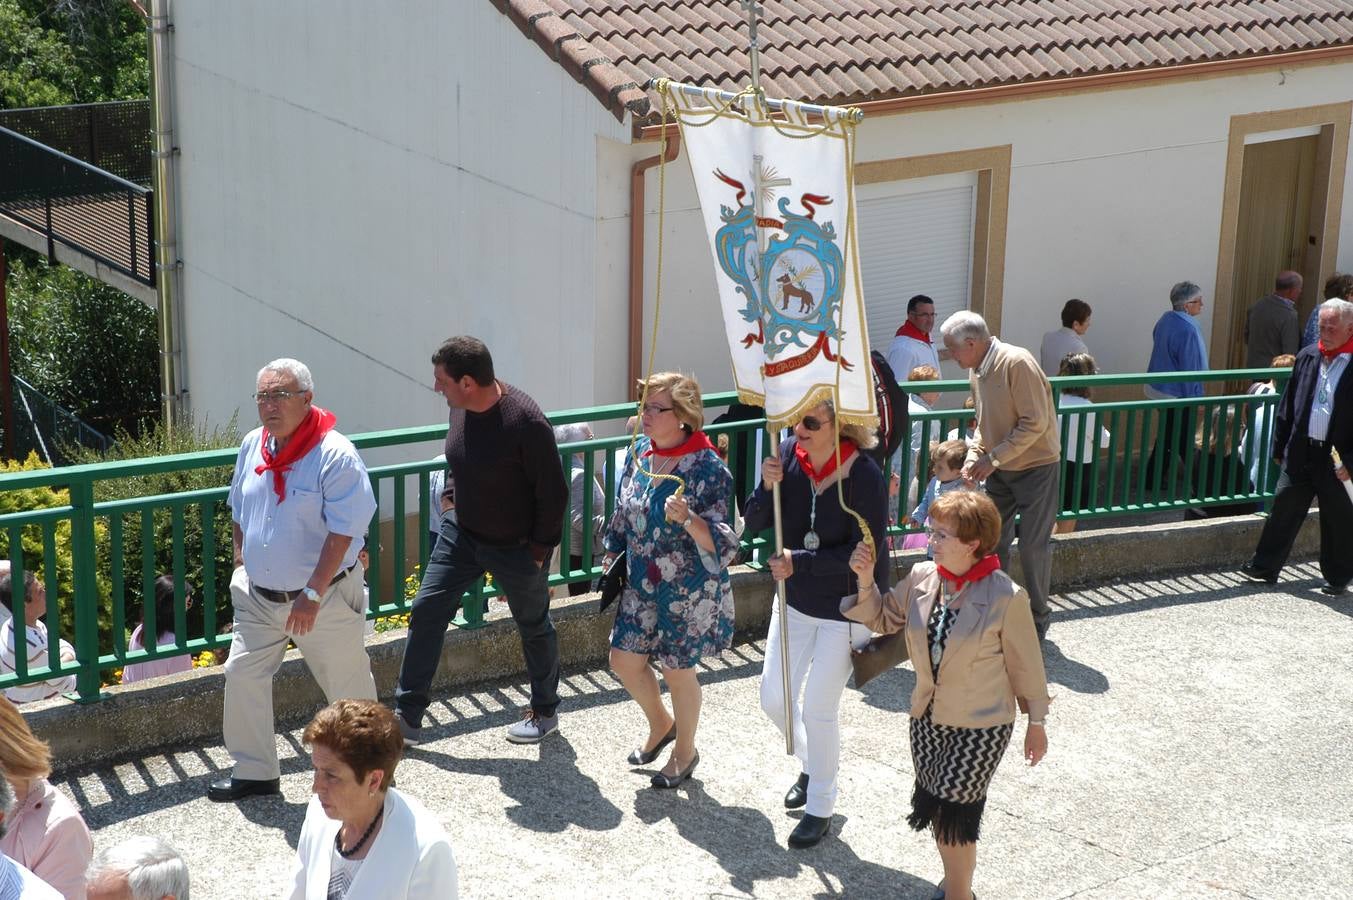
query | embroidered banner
[778, 203]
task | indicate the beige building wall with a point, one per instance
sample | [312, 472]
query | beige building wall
[1114, 196]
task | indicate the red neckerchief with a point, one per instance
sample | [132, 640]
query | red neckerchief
[847, 450]
[697, 441]
[309, 433]
[984, 567]
[1345, 347]
[911, 331]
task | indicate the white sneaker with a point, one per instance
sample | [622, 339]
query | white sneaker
[532, 728]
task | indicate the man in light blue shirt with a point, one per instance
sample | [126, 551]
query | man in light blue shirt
[301, 503]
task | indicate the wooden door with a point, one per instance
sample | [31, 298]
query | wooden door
[1273, 233]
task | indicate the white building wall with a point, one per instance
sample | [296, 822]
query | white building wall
[359, 182]
[1115, 196]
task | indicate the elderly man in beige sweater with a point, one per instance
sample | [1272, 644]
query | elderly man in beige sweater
[1016, 449]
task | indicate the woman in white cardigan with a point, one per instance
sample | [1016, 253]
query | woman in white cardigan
[362, 839]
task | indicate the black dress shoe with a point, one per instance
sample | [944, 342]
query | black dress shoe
[797, 796]
[1254, 574]
[642, 757]
[809, 831]
[1334, 590]
[228, 790]
[666, 782]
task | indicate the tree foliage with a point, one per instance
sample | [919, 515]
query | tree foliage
[87, 346]
[54, 52]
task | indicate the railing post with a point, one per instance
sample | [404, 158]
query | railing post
[86, 591]
[47, 222]
[150, 237]
[131, 230]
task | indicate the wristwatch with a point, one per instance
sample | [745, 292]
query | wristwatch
[995, 463]
[310, 594]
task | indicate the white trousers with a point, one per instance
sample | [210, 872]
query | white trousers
[819, 667]
[333, 651]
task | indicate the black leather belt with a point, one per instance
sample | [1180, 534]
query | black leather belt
[1318, 444]
[287, 596]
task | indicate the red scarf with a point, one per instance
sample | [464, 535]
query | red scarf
[307, 435]
[911, 331]
[1345, 347]
[847, 450]
[697, 441]
[984, 567]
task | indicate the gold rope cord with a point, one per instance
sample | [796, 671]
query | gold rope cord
[664, 92]
[848, 125]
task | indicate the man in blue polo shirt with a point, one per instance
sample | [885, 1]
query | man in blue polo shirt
[302, 502]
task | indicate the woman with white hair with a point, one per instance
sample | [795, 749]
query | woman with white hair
[139, 868]
[579, 486]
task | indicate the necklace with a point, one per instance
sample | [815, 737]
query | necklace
[937, 648]
[810, 540]
[366, 835]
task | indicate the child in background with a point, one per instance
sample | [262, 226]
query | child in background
[164, 624]
[28, 607]
[946, 462]
[969, 426]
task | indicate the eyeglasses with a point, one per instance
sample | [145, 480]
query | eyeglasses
[936, 534]
[813, 423]
[654, 409]
[275, 396]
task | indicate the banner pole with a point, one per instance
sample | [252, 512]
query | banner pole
[780, 605]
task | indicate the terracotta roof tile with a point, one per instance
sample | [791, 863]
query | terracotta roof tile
[842, 51]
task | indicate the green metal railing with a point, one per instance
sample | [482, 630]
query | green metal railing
[99, 558]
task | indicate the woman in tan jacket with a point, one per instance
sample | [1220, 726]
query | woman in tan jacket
[970, 634]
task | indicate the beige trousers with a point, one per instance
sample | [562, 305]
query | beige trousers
[333, 651]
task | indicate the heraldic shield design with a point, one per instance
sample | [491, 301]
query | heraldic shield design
[792, 287]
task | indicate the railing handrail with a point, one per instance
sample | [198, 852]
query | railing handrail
[204, 459]
[121, 182]
[97, 104]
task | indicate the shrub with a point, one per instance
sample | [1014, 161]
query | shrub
[160, 441]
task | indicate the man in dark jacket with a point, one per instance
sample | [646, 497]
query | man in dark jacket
[1271, 328]
[1312, 441]
[503, 465]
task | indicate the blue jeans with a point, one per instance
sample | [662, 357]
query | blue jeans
[455, 564]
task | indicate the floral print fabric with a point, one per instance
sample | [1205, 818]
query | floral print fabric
[678, 605]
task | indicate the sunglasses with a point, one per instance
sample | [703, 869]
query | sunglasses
[813, 423]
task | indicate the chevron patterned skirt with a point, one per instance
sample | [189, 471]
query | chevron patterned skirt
[953, 769]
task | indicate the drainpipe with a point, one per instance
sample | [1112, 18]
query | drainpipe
[636, 305]
[166, 225]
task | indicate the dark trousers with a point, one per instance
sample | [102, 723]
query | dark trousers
[1033, 496]
[1172, 439]
[454, 565]
[1309, 472]
[577, 588]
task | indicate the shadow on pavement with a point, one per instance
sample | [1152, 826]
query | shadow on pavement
[550, 793]
[1071, 674]
[743, 841]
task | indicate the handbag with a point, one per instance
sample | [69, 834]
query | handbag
[883, 652]
[613, 580]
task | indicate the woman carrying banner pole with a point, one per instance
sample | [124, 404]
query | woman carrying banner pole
[813, 571]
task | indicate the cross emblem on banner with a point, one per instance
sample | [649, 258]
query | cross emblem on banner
[764, 182]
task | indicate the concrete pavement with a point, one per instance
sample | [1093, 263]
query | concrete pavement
[1199, 747]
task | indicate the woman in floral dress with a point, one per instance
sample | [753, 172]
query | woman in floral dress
[678, 604]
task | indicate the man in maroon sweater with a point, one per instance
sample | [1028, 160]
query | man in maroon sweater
[510, 496]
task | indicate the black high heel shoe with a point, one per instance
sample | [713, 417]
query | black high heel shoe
[662, 781]
[642, 757]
